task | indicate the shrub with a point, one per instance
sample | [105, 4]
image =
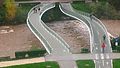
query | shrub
[118, 48]
[84, 50]
[30, 54]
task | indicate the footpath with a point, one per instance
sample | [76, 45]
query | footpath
[21, 61]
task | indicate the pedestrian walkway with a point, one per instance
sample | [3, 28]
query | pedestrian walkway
[21, 61]
[60, 59]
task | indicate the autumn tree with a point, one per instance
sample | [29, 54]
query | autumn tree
[10, 8]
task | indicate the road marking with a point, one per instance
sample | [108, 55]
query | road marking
[107, 56]
[96, 56]
[107, 63]
[102, 56]
[64, 50]
[96, 48]
[101, 50]
[99, 66]
[103, 62]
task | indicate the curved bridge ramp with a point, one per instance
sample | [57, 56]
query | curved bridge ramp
[97, 31]
[52, 42]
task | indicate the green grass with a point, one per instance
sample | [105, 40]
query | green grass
[116, 63]
[80, 63]
[85, 64]
[37, 65]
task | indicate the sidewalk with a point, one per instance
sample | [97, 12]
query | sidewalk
[22, 61]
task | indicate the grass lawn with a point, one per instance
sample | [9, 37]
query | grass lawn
[116, 63]
[85, 64]
[37, 65]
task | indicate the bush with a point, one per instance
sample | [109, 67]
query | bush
[114, 47]
[118, 48]
[5, 58]
[84, 50]
[30, 54]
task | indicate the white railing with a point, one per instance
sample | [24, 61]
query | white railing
[80, 18]
[45, 8]
[100, 24]
[52, 31]
[37, 33]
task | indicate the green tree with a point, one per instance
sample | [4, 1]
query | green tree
[10, 8]
[118, 48]
[1, 2]
[115, 3]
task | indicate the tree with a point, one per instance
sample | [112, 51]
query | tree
[10, 8]
[118, 48]
[115, 3]
[1, 2]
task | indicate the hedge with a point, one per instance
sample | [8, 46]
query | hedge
[29, 54]
[85, 50]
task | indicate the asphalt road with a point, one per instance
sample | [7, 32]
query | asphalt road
[102, 59]
[54, 45]
[59, 48]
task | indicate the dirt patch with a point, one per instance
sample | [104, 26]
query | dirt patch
[21, 39]
[73, 32]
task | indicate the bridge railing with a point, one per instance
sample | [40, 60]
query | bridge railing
[52, 31]
[37, 33]
[100, 23]
[80, 18]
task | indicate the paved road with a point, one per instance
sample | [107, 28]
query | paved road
[98, 31]
[82, 57]
[51, 41]
[61, 59]
[56, 45]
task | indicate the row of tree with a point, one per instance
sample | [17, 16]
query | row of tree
[9, 9]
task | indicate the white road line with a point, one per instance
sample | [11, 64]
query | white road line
[102, 56]
[96, 48]
[103, 62]
[99, 66]
[107, 63]
[107, 56]
[101, 49]
[96, 56]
